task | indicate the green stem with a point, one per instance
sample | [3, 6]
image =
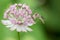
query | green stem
[19, 35]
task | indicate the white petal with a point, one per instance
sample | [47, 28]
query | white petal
[6, 22]
[23, 29]
[13, 28]
[30, 24]
[18, 28]
[11, 25]
[28, 29]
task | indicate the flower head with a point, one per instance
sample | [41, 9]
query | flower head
[18, 17]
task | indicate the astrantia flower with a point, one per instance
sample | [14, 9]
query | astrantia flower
[18, 17]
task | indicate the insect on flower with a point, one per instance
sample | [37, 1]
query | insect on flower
[18, 17]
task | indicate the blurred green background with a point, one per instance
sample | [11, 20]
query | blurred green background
[49, 9]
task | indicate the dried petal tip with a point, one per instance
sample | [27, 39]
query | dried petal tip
[36, 15]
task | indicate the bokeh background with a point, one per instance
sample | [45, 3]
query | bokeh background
[49, 9]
